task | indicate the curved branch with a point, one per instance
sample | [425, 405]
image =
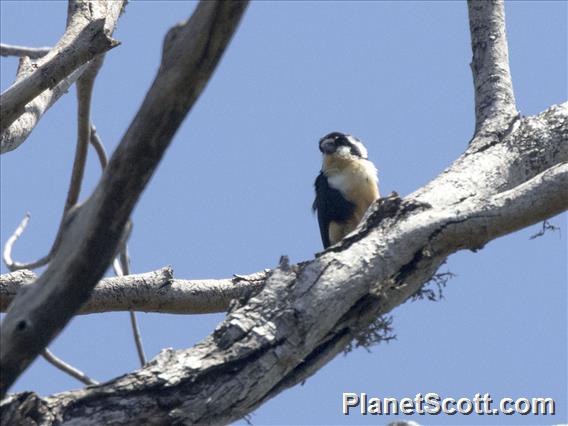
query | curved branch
[97, 143]
[8, 247]
[155, 291]
[85, 86]
[12, 265]
[30, 52]
[190, 55]
[494, 96]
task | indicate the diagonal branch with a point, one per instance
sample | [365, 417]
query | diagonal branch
[190, 55]
[66, 368]
[494, 96]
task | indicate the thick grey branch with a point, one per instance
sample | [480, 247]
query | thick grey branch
[191, 53]
[30, 52]
[155, 291]
[87, 34]
[494, 96]
[306, 314]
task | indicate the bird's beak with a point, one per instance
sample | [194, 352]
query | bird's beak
[328, 146]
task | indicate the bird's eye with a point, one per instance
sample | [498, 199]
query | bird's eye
[355, 151]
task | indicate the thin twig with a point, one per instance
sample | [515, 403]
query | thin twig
[121, 264]
[30, 52]
[12, 265]
[96, 142]
[121, 267]
[546, 226]
[84, 95]
[66, 368]
[7, 253]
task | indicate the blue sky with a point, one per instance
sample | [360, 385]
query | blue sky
[234, 190]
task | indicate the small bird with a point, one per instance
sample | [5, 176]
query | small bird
[345, 188]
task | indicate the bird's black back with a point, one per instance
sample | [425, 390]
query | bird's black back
[331, 207]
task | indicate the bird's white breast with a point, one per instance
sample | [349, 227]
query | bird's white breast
[360, 173]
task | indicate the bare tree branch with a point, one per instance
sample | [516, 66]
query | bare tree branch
[66, 368]
[96, 142]
[83, 17]
[155, 291]
[91, 42]
[84, 95]
[11, 264]
[30, 52]
[191, 52]
[494, 96]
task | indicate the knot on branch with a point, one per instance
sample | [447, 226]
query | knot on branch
[391, 208]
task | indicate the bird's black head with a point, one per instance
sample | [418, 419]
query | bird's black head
[342, 144]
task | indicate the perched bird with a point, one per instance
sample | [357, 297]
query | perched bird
[345, 187]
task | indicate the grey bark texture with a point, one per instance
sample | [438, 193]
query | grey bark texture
[155, 291]
[514, 173]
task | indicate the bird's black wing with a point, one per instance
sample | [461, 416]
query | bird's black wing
[331, 207]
